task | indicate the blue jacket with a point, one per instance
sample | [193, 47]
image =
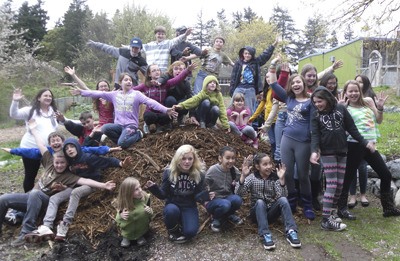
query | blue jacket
[34, 153]
[88, 165]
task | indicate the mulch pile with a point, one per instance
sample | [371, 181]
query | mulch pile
[150, 156]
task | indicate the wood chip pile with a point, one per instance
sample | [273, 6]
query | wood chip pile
[150, 156]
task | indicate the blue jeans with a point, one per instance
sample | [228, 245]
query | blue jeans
[123, 136]
[207, 113]
[188, 218]
[171, 101]
[221, 208]
[248, 130]
[32, 203]
[262, 215]
[249, 96]
[198, 83]
[279, 125]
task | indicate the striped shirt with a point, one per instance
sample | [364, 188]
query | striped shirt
[365, 120]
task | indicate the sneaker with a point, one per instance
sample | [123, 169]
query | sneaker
[248, 141]
[125, 242]
[334, 216]
[153, 128]
[19, 241]
[331, 225]
[214, 127]
[293, 239]
[140, 134]
[180, 122]
[344, 213]
[62, 230]
[43, 233]
[177, 238]
[202, 125]
[141, 241]
[216, 225]
[146, 128]
[235, 219]
[12, 218]
[268, 242]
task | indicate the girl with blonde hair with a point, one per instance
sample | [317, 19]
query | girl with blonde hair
[181, 188]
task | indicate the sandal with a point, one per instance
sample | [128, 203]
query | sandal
[352, 205]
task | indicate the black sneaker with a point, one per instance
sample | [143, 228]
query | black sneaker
[268, 242]
[331, 225]
[293, 239]
[235, 219]
[344, 213]
[177, 238]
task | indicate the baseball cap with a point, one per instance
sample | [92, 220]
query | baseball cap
[136, 42]
[181, 30]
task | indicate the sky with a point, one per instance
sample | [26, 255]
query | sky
[181, 12]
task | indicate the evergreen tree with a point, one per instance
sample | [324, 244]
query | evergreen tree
[33, 20]
[286, 28]
[315, 33]
[201, 35]
[249, 15]
[75, 24]
[333, 41]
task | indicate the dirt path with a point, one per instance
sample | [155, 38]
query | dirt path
[12, 134]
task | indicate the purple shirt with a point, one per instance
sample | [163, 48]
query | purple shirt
[126, 106]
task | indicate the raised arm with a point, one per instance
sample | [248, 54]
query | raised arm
[71, 72]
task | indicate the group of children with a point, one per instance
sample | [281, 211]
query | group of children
[307, 126]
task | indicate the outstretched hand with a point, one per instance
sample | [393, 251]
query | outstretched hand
[337, 64]
[380, 100]
[70, 71]
[6, 149]
[192, 66]
[17, 94]
[109, 185]
[126, 162]
[75, 91]
[172, 113]
[280, 171]
[59, 116]
[115, 149]
[342, 99]
[247, 165]
[149, 184]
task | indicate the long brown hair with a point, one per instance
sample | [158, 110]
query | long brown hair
[36, 103]
[360, 101]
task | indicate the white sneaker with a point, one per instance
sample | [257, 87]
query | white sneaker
[43, 233]
[125, 242]
[62, 230]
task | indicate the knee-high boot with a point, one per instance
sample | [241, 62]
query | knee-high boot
[389, 208]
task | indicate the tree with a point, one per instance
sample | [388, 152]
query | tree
[333, 41]
[348, 34]
[315, 33]
[74, 23]
[202, 35]
[258, 34]
[33, 19]
[383, 12]
[286, 28]
[239, 18]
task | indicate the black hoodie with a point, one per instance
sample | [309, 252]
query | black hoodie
[328, 127]
[87, 165]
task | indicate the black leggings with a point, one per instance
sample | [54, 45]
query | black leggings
[31, 167]
[355, 154]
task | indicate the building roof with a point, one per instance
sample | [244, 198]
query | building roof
[323, 51]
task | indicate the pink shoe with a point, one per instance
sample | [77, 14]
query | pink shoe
[255, 143]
